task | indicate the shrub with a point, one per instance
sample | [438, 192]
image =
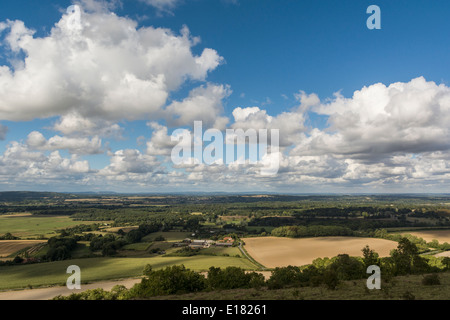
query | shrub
[331, 279]
[407, 295]
[283, 277]
[431, 280]
[232, 278]
[171, 280]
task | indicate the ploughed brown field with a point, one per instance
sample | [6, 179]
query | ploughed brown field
[8, 247]
[275, 252]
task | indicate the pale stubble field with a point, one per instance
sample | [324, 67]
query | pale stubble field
[275, 252]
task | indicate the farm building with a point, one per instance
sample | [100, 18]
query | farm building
[201, 243]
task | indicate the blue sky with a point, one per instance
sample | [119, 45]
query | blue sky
[263, 56]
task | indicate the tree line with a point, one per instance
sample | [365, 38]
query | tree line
[311, 231]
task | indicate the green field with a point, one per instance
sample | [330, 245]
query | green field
[232, 252]
[140, 246]
[98, 269]
[35, 226]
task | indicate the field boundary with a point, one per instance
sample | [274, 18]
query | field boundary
[250, 258]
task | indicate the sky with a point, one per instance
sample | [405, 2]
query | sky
[93, 92]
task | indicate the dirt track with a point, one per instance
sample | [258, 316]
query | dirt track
[49, 293]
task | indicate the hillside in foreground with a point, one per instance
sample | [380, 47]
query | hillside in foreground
[399, 288]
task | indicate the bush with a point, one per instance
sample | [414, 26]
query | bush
[8, 236]
[283, 277]
[18, 260]
[348, 268]
[431, 280]
[60, 248]
[118, 292]
[233, 278]
[407, 295]
[171, 280]
[331, 279]
[134, 236]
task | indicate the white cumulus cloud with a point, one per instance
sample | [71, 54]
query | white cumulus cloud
[101, 66]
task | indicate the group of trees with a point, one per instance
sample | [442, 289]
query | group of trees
[176, 280]
[233, 278]
[421, 244]
[8, 236]
[311, 231]
[79, 229]
[136, 235]
[60, 248]
[110, 243]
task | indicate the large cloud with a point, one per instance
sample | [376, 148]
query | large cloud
[73, 124]
[203, 104]
[382, 120]
[101, 65]
[19, 165]
[79, 146]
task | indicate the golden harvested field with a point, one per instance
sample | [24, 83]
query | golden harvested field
[15, 215]
[429, 235]
[8, 247]
[275, 252]
[443, 254]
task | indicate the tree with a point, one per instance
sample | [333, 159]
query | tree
[134, 236]
[370, 257]
[331, 279]
[289, 276]
[434, 244]
[446, 262]
[406, 259]
[18, 260]
[148, 269]
[347, 268]
[8, 236]
[231, 278]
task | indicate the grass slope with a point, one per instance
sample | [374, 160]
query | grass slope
[33, 227]
[403, 288]
[98, 269]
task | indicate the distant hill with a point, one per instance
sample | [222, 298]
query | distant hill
[27, 195]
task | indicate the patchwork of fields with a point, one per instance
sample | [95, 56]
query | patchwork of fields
[8, 247]
[164, 248]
